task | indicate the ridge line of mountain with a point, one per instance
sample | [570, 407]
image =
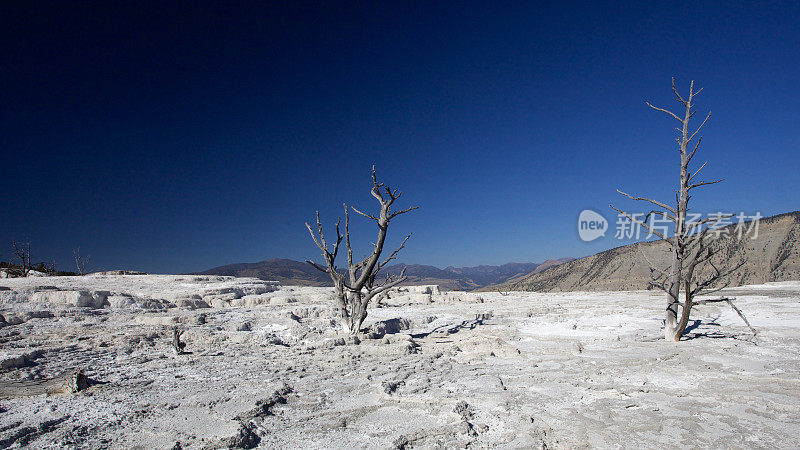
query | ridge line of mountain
[292, 272]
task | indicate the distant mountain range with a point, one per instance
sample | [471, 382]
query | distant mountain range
[287, 271]
[773, 256]
[296, 273]
[469, 278]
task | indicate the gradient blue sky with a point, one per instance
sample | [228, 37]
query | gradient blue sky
[173, 139]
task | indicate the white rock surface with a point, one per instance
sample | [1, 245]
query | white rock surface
[137, 291]
[269, 368]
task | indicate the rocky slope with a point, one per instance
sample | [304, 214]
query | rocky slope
[773, 256]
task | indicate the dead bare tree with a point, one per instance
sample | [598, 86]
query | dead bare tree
[690, 244]
[51, 269]
[357, 286]
[80, 261]
[23, 252]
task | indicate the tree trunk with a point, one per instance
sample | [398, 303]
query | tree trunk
[341, 300]
[685, 311]
[672, 328]
[359, 314]
[671, 319]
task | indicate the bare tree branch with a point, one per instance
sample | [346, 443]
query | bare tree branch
[696, 146]
[313, 236]
[705, 183]
[703, 286]
[313, 264]
[387, 286]
[677, 94]
[394, 253]
[657, 276]
[80, 261]
[697, 171]
[713, 219]
[700, 127]
[639, 222]
[738, 311]
[23, 253]
[395, 214]
[665, 111]
[368, 216]
[657, 203]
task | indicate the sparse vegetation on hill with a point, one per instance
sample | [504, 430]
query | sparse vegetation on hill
[774, 256]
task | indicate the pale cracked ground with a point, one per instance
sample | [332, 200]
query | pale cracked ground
[268, 369]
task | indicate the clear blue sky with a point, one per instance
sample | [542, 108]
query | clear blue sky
[176, 138]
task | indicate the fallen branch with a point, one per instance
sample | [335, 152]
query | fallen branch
[66, 383]
[729, 301]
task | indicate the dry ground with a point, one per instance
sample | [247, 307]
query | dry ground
[435, 370]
